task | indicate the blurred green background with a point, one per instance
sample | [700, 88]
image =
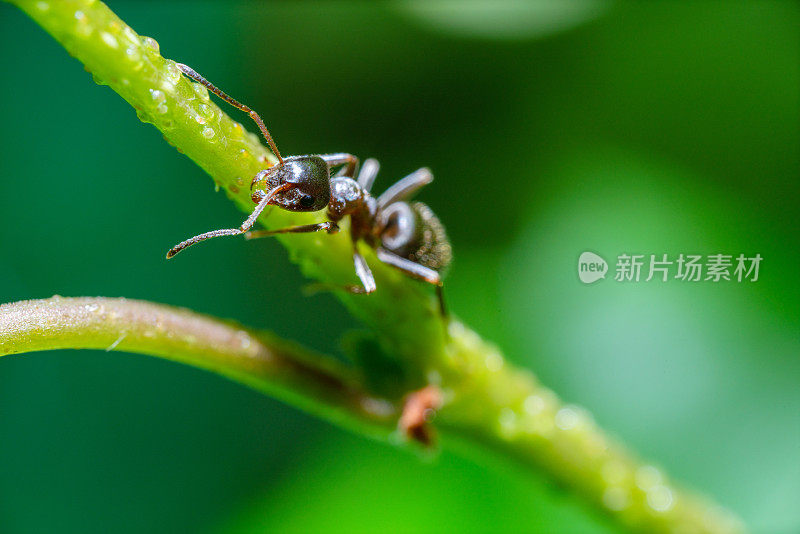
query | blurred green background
[552, 128]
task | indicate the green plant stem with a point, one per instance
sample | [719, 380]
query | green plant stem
[132, 66]
[487, 401]
[257, 359]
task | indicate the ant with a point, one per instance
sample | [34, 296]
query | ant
[407, 236]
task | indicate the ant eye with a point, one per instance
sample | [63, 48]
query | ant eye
[306, 201]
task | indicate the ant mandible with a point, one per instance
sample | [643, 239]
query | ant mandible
[407, 236]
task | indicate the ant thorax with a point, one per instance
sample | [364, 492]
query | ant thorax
[347, 198]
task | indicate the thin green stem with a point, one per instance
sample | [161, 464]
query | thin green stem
[318, 385]
[506, 410]
[487, 401]
[132, 66]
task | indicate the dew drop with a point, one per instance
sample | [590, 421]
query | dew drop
[201, 91]
[239, 181]
[534, 405]
[131, 53]
[168, 86]
[244, 339]
[567, 418]
[162, 109]
[173, 72]
[647, 477]
[206, 111]
[42, 6]
[493, 362]
[130, 34]
[151, 44]
[660, 498]
[455, 329]
[208, 133]
[199, 120]
[109, 39]
[157, 96]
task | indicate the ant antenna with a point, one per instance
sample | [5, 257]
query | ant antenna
[191, 73]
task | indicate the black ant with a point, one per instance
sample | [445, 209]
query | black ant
[407, 236]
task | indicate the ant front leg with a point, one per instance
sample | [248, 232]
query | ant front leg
[349, 161]
[328, 226]
[368, 173]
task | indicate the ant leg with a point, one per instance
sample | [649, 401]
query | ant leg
[405, 187]
[317, 287]
[246, 225]
[414, 270]
[349, 161]
[329, 226]
[363, 272]
[191, 73]
[368, 173]
[411, 268]
[442, 306]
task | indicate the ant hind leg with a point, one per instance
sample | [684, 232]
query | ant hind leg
[415, 270]
[362, 271]
[406, 187]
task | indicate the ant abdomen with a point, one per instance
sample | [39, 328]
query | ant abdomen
[412, 231]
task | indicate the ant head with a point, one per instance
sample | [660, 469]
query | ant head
[308, 184]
